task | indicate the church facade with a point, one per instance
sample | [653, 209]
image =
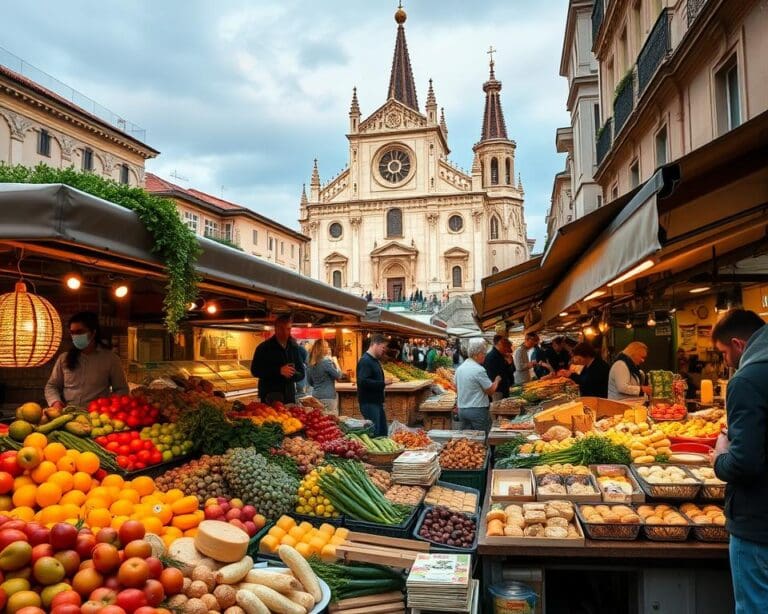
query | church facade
[400, 217]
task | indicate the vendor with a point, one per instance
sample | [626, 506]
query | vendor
[322, 374]
[591, 372]
[625, 379]
[278, 364]
[89, 370]
[522, 361]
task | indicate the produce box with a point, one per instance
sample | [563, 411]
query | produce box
[604, 408]
[402, 530]
[437, 546]
[253, 544]
[637, 496]
[456, 487]
[670, 489]
[595, 497]
[501, 479]
[617, 531]
[474, 478]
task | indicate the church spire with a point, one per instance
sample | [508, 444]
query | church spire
[443, 125]
[354, 112]
[304, 200]
[314, 184]
[401, 85]
[431, 107]
[493, 118]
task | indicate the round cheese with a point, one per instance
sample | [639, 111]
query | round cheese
[221, 541]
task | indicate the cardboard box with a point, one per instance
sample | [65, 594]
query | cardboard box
[500, 478]
[595, 497]
[637, 496]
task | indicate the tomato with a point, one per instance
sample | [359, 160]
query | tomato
[124, 438]
[66, 608]
[172, 580]
[66, 598]
[154, 593]
[122, 461]
[124, 450]
[131, 599]
[6, 482]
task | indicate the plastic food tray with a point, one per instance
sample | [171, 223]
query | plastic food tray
[402, 530]
[316, 521]
[687, 492]
[458, 487]
[610, 531]
[437, 546]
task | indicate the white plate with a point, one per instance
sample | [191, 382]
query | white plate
[324, 588]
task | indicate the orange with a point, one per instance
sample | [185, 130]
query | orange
[73, 454]
[75, 497]
[100, 493]
[99, 517]
[296, 532]
[113, 479]
[121, 507]
[50, 514]
[173, 531]
[286, 523]
[173, 495]
[36, 440]
[48, 494]
[63, 480]
[66, 463]
[269, 543]
[163, 512]
[276, 532]
[303, 549]
[43, 471]
[129, 494]
[144, 485]
[69, 510]
[24, 513]
[328, 529]
[95, 504]
[88, 462]
[190, 532]
[118, 522]
[6, 503]
[54, 451]
[152, 524]
[20, 481]
[82, 481]
[113, 491]
[168, 540]
[25, 495]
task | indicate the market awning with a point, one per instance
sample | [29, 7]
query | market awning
[60, 220]
[393, 322]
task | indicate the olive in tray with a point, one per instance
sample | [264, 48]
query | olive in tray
[443, 526]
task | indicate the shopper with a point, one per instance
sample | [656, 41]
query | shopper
[89, 370]
[522, 361]
[278, 364]
[473, 387]
[431, 358]
[371, 383]
[591, 372]
[740, 457]
[556, 355]
[625, 379]
[322, 374]
[496, 364]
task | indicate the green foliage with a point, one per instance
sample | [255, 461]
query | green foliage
[174, 242]
[627, 78]
[444, 361]
[227, 242]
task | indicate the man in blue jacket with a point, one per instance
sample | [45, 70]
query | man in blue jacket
[371, 383]
[741, 456]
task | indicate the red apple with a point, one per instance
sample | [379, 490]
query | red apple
[17, 524]
[42, 550]
[113, 609]
[9, 463]
[103, 595]
[247, 513]
[70, 559]
[154, 592]
[131, 599]
[238, 524]
[105, 558]
[108, 535]
[133, 573]
[66, 608]
[113, 583]
[84, 545]
[138, 548]
[221, 500]
[37, 533]
[233, 514]
[213, 512]
[225, 507]
[250, 527]
[63, 536]
[155, 567]
[8, 536]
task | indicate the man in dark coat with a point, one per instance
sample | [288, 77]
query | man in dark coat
[278, 364]
[371, 383]
[740, 457]
[496, 363]
[593, 376]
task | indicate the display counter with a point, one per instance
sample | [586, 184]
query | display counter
[401, 400]
[229, 377]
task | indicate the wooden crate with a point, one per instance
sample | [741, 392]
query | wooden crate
[437, 419]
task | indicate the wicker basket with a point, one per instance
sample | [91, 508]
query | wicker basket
[710, 533]
[382, 459]
[713, 492]
[667, 532]
[609, 531]
[686, 492]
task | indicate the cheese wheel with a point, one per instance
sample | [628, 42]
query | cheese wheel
[184, 551]
[221, 541]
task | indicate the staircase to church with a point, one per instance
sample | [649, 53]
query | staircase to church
[458, 312]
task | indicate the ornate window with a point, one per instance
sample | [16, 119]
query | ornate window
[494, 228]
[394, 223]
[455, 223]
[44, 143]
[508, 171]
[335, 230]
[124, 178]
[456, 277]
[87, 159]
[494, 171]
[395, 165]
[336, 279]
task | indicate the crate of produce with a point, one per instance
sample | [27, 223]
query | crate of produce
[667, 481]
[453, 496]
[402, 530]
[609, 522]
[664, 523]
[713, 488]
[512, 485]
[444, 544]
[708, 521]
[617, 484]
[382, 459]
[452, 455]
[406, 495]
[255, 541]
[317, 521]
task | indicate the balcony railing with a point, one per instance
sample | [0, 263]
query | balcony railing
[624, 101]
[598, 12]
[655, 49]
[604, 140]
[694, 8]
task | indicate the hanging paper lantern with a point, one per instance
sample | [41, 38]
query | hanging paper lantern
[30, 329]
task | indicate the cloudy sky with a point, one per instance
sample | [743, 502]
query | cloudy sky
[241, 95]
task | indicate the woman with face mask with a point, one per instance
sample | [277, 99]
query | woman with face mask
[87, 371]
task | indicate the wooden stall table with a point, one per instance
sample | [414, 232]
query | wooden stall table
[656, 576]
[401, 400]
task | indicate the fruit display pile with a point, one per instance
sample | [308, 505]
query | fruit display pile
[306, 453]
[260, 413]
[376, 445]
[308, 540]
[345, 448]
[129, 410]
[203, 477]
[236, 513]
[691, 428]
[443, 526]
[312, 500]
[404, 372]
[318, 426]
[463, 454]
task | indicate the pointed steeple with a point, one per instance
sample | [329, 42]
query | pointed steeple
[354, 112]
[401, 84]
[304, 200]
[519, 183]
[431, 102]
[443, 125]
[314, 184]
[431, 107]
[493, 118]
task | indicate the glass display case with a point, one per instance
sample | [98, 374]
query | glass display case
[229, 377]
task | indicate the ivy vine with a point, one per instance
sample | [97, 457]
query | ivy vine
[174, 242]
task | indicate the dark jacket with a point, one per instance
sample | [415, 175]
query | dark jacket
[745, 466]
[268, 358]
[593, 380]
[370, 381]
[495, 364]
[557, 360]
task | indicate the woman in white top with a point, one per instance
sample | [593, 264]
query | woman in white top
[625, 379]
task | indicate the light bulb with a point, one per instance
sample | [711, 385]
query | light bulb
[121, 291]
[603, 326]
[211, 308]
[628, 325]
[73, 281]
[651, 321]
